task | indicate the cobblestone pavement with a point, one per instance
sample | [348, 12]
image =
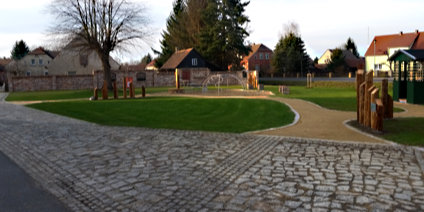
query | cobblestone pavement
[98, 168]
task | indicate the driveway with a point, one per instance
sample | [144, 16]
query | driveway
[97, 168]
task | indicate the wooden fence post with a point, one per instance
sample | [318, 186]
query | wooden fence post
[359, 80]
[367, 110]
[125, 88]
[115, 90]
[361, 103]
[143, 91]
[132, 95]
[374, 114]
[104, 91]
[380, 115]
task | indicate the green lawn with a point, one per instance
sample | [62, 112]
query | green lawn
[331, 95]
[405, 131]
[221, 115]
[70, 94]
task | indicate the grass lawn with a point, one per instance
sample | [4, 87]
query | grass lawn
[405, 131]
[70, 94]
[220, 115]
[331, 95]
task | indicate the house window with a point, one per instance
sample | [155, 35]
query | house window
[28, 73]
[40, 62]
[194, 62]
[257, 67]
[46, 73]
[261, 56]
[378, 67]
[32, 61]
[72, 73]
[267, 56]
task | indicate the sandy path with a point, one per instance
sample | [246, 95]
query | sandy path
[318, 122]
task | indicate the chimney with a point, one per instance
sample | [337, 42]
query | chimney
[401, 33]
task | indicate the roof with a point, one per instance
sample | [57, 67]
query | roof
[414, 40]
[175, 60]
[42, 51]
[151, 64]
[414, 54]
[4, 61]
[255, 48]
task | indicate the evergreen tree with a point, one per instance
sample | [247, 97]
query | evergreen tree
[146, 59]
[351, 46]
[290, 55]
[167, 46]
[216, 28]
[316, 60]
[20, 49]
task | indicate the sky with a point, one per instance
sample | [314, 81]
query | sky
[323, 24]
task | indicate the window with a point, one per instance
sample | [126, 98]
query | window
[261, 56]
[194, 62]
[40, 62]
[378, 67]
[72, 73]
[267, 56]
[28, 73]
[46, 73]
[32, 61]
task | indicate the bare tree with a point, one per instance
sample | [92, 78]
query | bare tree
[100, 25]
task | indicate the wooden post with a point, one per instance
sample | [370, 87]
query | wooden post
[380, 114]
[374, 115]
[368, 106]
[330, 75]
[350, 75]
[359, 80]
[297, 75]
[388, 109]
[143, 91]
[361, 104]
[125, 88]
[96, 93]
[309, 80]
[367, 110]
[104, 91]
[132, 94]
[177, 79]
[115, 90]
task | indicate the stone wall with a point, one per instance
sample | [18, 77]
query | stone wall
[78, 82]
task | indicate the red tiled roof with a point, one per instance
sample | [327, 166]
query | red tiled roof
[176, 59]
[137, 67]
[384, 42]
[151, 64]
[255, 48]
[4, 62]
[42, 51]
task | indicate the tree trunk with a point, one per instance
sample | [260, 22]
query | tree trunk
[107, 74]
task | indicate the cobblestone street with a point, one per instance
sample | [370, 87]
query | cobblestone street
[99, 168]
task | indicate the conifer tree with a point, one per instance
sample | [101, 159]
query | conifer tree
[351, 46]
[20, 49]
[290, 55]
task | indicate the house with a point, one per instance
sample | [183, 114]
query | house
[384, 46]
[352, 62]
[408, 79]
[75, 61]
[3, 63]
[259, 59]
[152, 66]
[35, 63]
[189, 65]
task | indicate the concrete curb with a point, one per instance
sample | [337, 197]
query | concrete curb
[367, 134]
[295, 121]
[3, 96]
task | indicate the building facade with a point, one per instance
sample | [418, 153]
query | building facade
[259, 59]
[384, 46]
[35, 63]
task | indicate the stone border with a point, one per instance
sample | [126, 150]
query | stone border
[345, 123]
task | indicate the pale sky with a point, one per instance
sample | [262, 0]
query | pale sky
[323, 24]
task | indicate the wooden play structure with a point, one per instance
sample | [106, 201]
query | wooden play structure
[408, 80]
[371, 108]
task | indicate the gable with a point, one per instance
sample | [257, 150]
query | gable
[384, 42]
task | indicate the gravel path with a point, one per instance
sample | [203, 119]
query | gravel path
[98, 168]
